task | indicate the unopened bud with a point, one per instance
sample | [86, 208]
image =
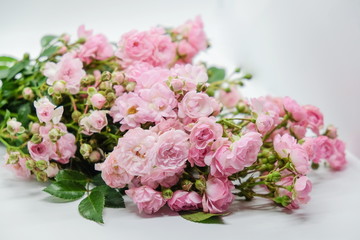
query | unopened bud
[57, 98]
[210, 92]
[200, 185]
[41, 165]
[59, 86]
[106, 76]
[118, 77]
[41, 176]
[248, 76]
[314, 166]
[95, 156]
[28, 94]
[274, 177]
[105, 85]
[130, 86]
[110, 97]
[13, 158]
[14, 127]
[52, 170]
[30, 164]
[85, 150]
[88, 81]
[55, 134]
[331, 132]
[167, 193]
[75, 116]
[36, 138]
[186, 185]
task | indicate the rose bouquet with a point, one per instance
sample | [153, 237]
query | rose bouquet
[137, 118]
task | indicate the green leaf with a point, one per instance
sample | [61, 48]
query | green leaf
[4, 71]
[71, 175]
[216, 74]
[19, 66]
[23, 112]
[113, 198]
[97, 180]
[202, 217]
[49, 51]
[66, 190]
[6, 61]
[45, 40]
[6, 117]
[92, 206]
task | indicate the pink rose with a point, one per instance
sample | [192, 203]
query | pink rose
[114, 175]
[296, 111]
[46, 111]
[187, 77]
[135, 46]
[186, 51]
[160, 103]
[264, 123]
[98, 100]
[66, 148]
[136, 152]
[166, 125]
[246, 150]
[300, 194]
[147, 199]
[96, 47]
[223, 163]
[338, 160]
[230, 99]
[183, 201]
[300, 159]
[69, 70]
[135, 70]
[298, 129]
[94, 122]
[42, 151]
[172, 149]
[314, 118]
[151, 77]
[165, 50]
[197, 105]
[311, 148]
[283, 144]
[129, 109]
[325, 147]
[83, 33]
[197, 156]
[162, 176]
[205, 131]
[18, 168]
[218, 195]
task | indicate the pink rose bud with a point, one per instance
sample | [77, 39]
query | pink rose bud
[314, 118]
[52, 170]
[98, 100]
[93, 123]
[331, 132]
[34, 128]
[59, 86]
[28, 93]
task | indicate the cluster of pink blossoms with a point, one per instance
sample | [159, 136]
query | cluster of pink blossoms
[147, 118]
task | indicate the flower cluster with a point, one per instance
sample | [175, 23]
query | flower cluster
[157, 127]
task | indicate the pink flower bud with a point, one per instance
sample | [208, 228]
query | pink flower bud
[98, 100]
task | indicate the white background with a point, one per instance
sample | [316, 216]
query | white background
[309, 50]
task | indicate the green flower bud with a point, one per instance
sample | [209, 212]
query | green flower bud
[186, 185]
[314, 166]
[30, 164]
[110, 97]
[13, 158]
[106, 76]
[272, 159]
[75, 116]
[36, 138]
[274, 177]
[41, 176]
[167, 193]
[57, 98]
[237, 70]
[55, 134]
[130, 86]
[91, 91]
[87, 81]
[200, 185]
[210, 92]
[248, 76]
[85, 150]
[41, 165]
[283, 201]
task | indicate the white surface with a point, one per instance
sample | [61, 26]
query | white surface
[293, 48]
[333, 213]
